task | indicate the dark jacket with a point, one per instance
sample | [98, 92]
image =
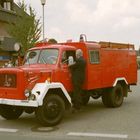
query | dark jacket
[78, 71]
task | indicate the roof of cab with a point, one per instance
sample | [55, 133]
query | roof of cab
[53, 46]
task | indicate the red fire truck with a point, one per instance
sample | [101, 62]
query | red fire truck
[43, 84]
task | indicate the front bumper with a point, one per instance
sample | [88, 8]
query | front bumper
[25, 103]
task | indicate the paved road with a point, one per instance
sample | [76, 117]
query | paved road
[94, 122]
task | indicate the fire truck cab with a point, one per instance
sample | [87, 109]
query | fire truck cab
[43, 83]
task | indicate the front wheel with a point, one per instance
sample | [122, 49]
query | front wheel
[52, 110]
[10, 112]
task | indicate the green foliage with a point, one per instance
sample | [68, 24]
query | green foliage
[26, 30]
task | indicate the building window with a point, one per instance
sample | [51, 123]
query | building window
[94, 56]
[4, 58]
[7, 6]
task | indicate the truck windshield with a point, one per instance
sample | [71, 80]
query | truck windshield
[45, 56]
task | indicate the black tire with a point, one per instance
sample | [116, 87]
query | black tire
[10, 112]
[106, 99]
[52, 110]
[85, 99]
[114, 97]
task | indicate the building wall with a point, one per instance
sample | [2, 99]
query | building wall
[5, 15]
[8, 14]
[6, 56]
[3, 31]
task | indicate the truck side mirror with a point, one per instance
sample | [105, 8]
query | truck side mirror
[32, 55]
[70, 60]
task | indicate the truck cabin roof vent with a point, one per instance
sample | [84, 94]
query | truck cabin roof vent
[83, 38]
[69, 40]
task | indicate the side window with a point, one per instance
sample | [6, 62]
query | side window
[94, 56]
[66, 54]
[64, 57]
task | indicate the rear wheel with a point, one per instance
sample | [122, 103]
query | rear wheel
[52, 110]
[114, 97]
[85, 99]
[10, 112]
[105, 98]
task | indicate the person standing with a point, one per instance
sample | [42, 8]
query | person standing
[78, 76]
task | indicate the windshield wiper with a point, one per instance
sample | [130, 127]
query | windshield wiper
[42, 59]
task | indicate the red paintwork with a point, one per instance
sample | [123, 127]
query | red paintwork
[114, 63]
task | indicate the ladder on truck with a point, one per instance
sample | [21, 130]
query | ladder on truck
[116, 45]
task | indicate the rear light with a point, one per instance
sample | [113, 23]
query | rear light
[8, 80]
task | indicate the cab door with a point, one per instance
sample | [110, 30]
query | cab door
[65, 74]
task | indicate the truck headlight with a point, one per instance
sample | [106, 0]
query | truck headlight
[29, 95]
[32, 97]
[27, 92]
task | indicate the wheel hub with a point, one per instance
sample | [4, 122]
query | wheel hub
[52, 110]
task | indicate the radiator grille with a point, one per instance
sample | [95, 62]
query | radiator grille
[8, 80]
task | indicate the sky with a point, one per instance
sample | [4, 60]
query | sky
[100, 20]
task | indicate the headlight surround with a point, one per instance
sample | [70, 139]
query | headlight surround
[32, 97]
[29, 94]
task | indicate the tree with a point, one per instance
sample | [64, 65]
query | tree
[26, 30]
